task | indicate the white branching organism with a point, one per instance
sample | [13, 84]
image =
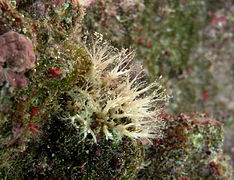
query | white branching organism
[114, 102]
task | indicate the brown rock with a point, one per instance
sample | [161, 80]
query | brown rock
[16, 79]
[17, 51]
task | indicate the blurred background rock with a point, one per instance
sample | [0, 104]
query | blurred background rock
[189, 42]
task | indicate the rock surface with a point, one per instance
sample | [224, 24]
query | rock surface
[16, 57]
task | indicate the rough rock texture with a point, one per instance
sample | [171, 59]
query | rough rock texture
[192, 149]
[17, 50]
[16, 57]
[16, 79]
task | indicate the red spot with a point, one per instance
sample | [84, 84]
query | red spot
[33, 111]
[112, 11]
[33, 129]
[35, 27]
[216, 167]
[17, 19]
[140, 30]
[205, 95]
[149, 44]
[55, 72]
[212, 164]
[182, 1]
[161, 115]
[140, 41]
[156, 142]
[164, 116]
[220, 21]
[181, 116]
[144, 141]
[4, 6]
[166, 52]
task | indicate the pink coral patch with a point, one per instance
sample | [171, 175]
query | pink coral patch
[16, 57]
[17, 50]
[16, 79]
[218, 21]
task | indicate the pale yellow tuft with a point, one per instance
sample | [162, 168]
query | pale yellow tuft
[118, 104]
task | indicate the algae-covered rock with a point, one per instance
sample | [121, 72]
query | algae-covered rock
[190, 150]
[80, 109]
[35, 131]
[17, 57]
[62, 153]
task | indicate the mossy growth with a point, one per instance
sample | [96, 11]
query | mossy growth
[166, 43]
[115, 20]
[34, 130]
[23, 109]
[34, 135]
[45, 23]
[164, 33]
[40, 138]
[192, 143]
[51, 129]
[61, 153]
[44, 144]
[31, 106]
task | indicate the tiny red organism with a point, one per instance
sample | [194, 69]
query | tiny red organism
[156, 142]
[166, 52]
[216, 167]
[144, 141]
[33, 111]
[33, 129]
[140, 41]
[149, 44]
[164, 116]
[218, 21]
[205, 95]
[55, 72]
